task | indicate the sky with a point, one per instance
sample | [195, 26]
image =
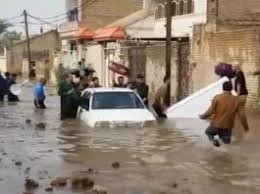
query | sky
[38, 8]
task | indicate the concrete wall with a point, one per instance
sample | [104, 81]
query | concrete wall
[102, 13]
[209, 48]
[155, 68]
[94, 56]
[3, 60]
[182, 25]
[48, 41]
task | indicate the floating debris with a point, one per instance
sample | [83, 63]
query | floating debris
[59, 182]
[31, 184]
[28, 121]
[40, 126]
[99, 190]
[82, 182]
[49, 189]
[116, 165]
[18, 163]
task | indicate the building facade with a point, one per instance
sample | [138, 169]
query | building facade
[92, 15]
[43, 49]
[230, 35]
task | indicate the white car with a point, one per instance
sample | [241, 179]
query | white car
[113, 107]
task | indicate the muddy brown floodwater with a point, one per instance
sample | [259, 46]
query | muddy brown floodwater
[158, 160]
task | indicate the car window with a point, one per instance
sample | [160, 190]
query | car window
[85, 100]
[116, 100]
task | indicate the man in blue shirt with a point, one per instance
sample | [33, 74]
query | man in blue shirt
[39, 96]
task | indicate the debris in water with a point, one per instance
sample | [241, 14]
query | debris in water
[40, 126]
[4, 153]
[18, 163]
[116, 165]
[49, 189]
[174, 185]
[27, 170]
[28, 121]
[59, 182]
[82, 182]
[31, 184]
[99, 190]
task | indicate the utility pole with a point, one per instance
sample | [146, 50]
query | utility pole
[28, 42]
[168, 45]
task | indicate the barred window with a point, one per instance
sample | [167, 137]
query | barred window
[189, 6]
[173, 8]
[181, 7]
[159, 12]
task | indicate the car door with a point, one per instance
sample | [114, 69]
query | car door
[84, 108]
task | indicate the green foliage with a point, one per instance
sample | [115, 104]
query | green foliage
[4, 25]
[7, 37]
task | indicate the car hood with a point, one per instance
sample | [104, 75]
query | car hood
[132, 115]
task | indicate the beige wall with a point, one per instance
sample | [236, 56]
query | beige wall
[209, 48]
[102, 13]
[155, 69]
[49, 41]
[94, 56]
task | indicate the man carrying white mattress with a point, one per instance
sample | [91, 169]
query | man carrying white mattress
[222, 112]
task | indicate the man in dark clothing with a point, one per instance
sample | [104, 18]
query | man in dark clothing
[120, 82]
[3, 88]
[8, 79]
[160, 104]
[241, 89]
[69, 98]
[11, 96]
[95, 83]
[223, 111]
[141, 88]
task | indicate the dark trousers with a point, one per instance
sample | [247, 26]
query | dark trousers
[39, 104]
[224, 135]
[2, 98]
[159, 110]
[69, 107]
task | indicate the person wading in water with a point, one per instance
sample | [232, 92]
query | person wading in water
[39, 95]
[160, 103]
[68, 98]
[223, 111]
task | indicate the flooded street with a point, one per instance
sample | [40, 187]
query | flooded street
[158, 160]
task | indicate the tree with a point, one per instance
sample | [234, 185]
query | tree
[9, 37]
[4, 25]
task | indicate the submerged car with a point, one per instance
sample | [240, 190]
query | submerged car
[113, 107]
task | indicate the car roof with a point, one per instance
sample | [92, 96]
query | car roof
[107, 89]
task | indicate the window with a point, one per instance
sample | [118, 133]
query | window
[173, 8]
[181, 7]
[189, 6]
[85, 101]
[159, 13]
[116, 100]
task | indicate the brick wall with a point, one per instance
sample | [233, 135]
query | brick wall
[233, 10]
[210, 48]
[104, 12]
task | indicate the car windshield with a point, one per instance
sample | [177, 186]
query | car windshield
[116, 100]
